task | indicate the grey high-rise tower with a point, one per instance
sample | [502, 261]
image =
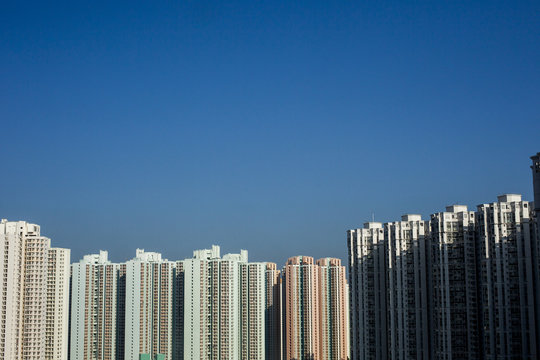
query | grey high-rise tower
[367, 292]
[535, 215]
[536, 180]
[536, 188]
[507, 271]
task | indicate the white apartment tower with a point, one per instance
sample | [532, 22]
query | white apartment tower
[408, 322]
[453, 283]
[252, 313]
[56, 336]
[224, 306]
[149, 306]
[506, 240]
[367, 286]
[24, 255]
[97, 309]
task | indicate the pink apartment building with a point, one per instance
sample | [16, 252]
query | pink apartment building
[315, 303]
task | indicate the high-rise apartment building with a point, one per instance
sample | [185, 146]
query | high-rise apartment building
[535, 215]
[507, 271]
[178, 312]
[408, 318]
[536, 184]
[334, 313]
[454, 285]
[149, 306]
[273, 331]
[97, 309]
[24, 256]
[224, 306]
[464, 285]
[35, 297]
[301, 306]
[315, 309]
[368, 299]
[197, 310]
[253, 310]
[12, 271]
[413, 288]
[57, 322]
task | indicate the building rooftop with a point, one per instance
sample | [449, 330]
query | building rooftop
[456, 208]
[509, 198]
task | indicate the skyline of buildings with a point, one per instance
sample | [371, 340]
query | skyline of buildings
[204, 307]
[463, 284]
[507, 272]
[469, 293]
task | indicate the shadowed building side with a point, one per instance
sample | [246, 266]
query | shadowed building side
[535, 167]
[408, 326]
[454, 285]
[273, 323]
[368, 298]
[507, 270]
[97, 309]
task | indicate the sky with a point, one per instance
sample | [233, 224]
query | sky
[272, 126]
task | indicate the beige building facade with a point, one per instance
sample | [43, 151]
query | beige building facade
[27, 310]
[57, 323]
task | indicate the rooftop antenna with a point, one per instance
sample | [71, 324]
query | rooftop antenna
[372, 217]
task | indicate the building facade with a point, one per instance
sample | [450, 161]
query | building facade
[315, 309]
[454, 285]
[535, 216]
[253, 310]
[57, 322]
[224, 306]
[25, 313]
[301, 309]
[273, 320]
[408, 318]
[463, 285]
[97, 309]
[149, 306]
[507, 278]
[368, 299]
[334, 313]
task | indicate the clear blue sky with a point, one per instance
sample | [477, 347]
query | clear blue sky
[273, 126]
